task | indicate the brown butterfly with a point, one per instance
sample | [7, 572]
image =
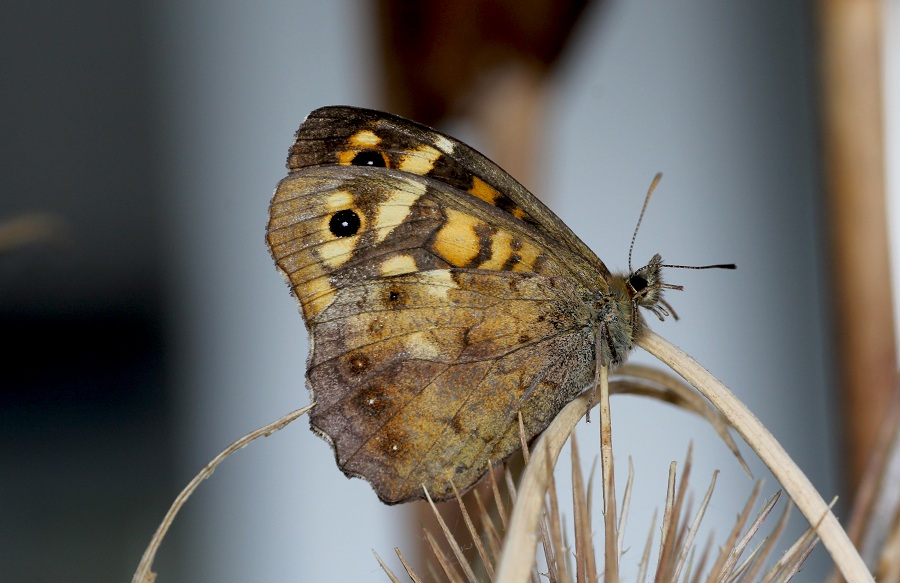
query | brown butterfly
[442, 300]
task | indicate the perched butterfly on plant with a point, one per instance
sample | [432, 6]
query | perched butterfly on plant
[442, 299]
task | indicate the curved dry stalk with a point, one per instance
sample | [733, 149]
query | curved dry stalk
[794, 481]
[636, 379]
[143, 574]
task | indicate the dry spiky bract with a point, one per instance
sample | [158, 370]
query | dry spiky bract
[505, 540]
[677, 555]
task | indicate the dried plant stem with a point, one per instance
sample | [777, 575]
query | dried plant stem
[611, 568]
[519, 545]
[794, 481]
[143, 574]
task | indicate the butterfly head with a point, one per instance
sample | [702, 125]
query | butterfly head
[618, 309]
[645, 287]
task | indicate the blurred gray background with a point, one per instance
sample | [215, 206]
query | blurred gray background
[155, 330]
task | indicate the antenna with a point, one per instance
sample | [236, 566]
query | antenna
[650, 190]
[653, 185]
[716, 266]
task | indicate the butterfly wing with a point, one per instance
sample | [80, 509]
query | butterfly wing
[349, 135]
[435, 319]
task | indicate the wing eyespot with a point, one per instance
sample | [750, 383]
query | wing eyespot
[344, 223]
[372, 158]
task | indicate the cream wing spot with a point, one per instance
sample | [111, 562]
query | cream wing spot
[439, 283]
[421, 346]
[338, 252]
[338, 201]
[365, 139]
[443, 144]
[398, 265]
[396, 207]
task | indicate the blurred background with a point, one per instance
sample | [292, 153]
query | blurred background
[146, 327]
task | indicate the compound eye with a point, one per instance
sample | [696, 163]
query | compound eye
[638, 283]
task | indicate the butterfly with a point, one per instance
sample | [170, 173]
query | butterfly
[442, 299]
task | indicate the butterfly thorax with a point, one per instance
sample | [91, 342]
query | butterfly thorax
[619, 322]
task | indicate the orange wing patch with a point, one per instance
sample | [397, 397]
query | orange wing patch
[489, 194]
[509, 253]
[457, 241]
[465, 241]
[482, 190]
[420, 161]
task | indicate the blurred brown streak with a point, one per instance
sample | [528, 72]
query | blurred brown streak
[852, 126]
[435, 52]
[488, 61]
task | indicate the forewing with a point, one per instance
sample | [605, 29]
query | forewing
[339, 134]
[407, 223]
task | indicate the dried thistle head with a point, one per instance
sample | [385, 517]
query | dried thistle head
[569, 554]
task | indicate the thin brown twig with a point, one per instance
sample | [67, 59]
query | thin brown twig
[144, 574]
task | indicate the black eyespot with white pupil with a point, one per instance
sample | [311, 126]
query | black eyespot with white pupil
[344, 223]
[369, 158]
